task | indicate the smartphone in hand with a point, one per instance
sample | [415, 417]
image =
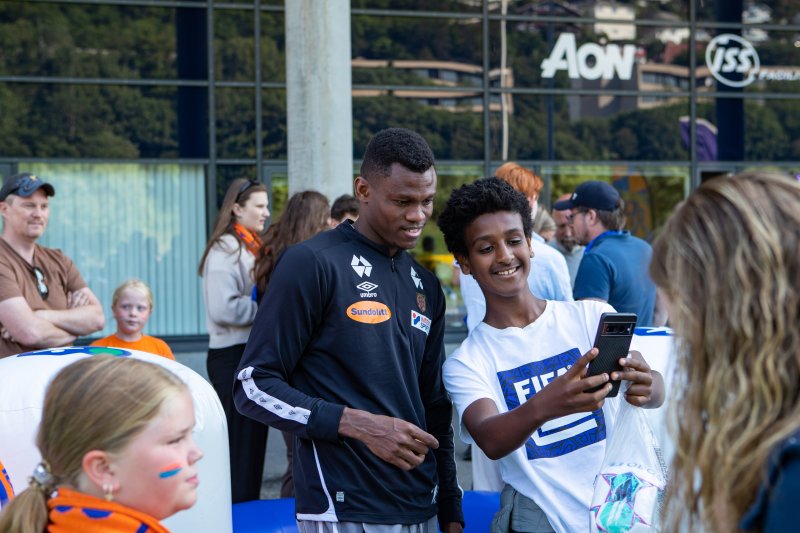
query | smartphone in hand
[613, 340]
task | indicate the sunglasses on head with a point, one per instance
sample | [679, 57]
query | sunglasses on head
[41, 286]
[246, 185]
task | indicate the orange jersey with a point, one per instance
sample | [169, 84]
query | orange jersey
[75, 512]
[147, 344]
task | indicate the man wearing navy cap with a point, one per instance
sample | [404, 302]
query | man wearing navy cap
[44, 302]
[614, 264]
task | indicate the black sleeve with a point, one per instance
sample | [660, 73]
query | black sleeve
[438, 417]
[781, 511]
[773, 509]
[291, 310]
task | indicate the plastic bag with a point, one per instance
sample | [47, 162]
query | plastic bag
[631, 481]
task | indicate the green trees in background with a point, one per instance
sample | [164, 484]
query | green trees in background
[52, 119]
[65, 120]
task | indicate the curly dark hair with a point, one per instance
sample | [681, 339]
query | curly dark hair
[468, 202]
[396, 145]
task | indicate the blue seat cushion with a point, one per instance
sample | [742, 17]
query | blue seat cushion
[277, 516]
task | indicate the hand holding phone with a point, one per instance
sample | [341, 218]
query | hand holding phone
[613, 340]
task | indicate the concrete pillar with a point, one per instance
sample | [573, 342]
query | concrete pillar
[319, 96]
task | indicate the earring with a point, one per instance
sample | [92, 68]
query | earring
[108, 488]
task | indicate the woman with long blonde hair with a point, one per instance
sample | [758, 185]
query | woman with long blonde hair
[728, 261]
[117, 451]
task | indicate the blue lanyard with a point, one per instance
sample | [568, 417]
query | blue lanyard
[604, 234]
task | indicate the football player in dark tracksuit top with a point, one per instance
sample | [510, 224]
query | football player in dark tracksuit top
[346, 352]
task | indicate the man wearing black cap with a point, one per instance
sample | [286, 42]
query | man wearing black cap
[614, 264]
[44, 302]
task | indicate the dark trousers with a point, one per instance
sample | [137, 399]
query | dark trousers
[247, 438]
[287, 481]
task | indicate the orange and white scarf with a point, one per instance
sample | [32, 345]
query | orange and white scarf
[250, 239]
[6, 490]
[72, 511]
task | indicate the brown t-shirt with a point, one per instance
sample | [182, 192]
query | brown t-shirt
[17, 279]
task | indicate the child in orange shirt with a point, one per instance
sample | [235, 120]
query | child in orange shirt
[131, 305]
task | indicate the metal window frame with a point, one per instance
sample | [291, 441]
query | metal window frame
[485, 15]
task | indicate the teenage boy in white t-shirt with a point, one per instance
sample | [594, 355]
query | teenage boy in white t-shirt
[518, 380]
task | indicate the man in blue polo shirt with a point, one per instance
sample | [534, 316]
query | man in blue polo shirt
[614, 264]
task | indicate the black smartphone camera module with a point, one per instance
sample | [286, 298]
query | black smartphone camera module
[613, 340]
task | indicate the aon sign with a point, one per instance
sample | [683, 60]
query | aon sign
[608, 60]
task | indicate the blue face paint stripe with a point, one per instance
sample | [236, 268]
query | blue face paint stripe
[173, 470]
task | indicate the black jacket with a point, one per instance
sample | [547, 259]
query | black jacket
[344, 324]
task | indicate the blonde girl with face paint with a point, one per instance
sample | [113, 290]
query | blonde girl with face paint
[117, 451]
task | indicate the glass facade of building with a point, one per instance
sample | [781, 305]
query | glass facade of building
[142, 111]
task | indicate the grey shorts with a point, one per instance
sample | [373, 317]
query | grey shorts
[519, 514]
[314, 526]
